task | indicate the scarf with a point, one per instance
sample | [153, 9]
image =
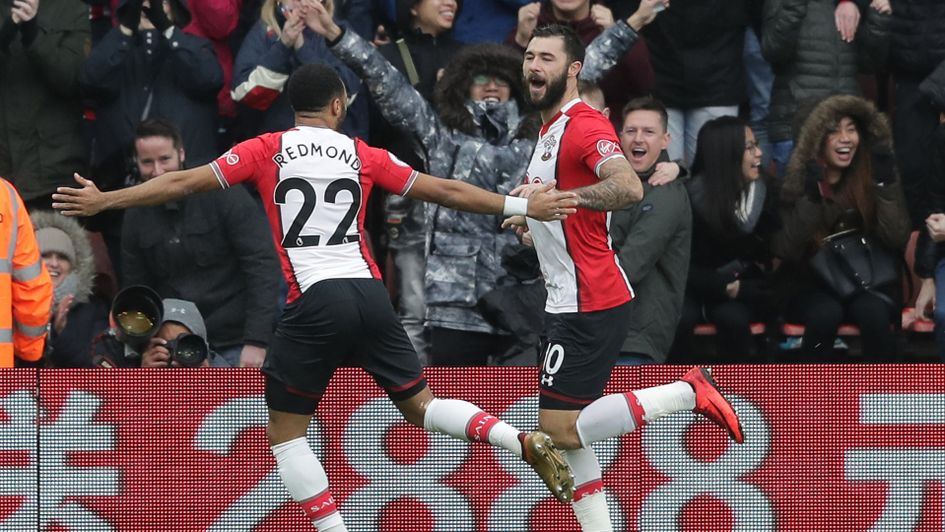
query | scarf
[495, 120]
[749, 206]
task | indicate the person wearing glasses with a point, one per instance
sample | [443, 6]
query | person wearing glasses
[478, 131]
[734, 212]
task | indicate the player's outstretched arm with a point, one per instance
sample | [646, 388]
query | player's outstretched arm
[619, 186]
[88, 200]
[545, 204]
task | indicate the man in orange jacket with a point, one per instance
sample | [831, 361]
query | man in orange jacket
[25, 288]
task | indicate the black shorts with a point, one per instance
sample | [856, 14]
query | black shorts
[580, 352]
[338, 322]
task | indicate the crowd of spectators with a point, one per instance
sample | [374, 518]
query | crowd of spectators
[745, 119]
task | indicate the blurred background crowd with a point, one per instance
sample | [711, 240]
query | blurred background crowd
[793, 155]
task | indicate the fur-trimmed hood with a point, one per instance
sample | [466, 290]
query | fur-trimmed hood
[84, 267]
[873, 129]
[452, 91]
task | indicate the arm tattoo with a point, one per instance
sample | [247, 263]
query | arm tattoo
[615, 189]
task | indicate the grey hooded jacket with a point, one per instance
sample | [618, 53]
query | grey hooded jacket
[464, 250]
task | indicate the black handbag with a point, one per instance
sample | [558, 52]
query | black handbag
[850, 262]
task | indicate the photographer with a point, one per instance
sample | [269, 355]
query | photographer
[149, 332]
[181, 341]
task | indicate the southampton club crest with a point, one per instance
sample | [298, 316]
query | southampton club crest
[549, 144]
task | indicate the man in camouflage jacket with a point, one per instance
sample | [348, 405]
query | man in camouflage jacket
[486, 143]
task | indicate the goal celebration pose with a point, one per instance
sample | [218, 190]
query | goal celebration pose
[315, 183]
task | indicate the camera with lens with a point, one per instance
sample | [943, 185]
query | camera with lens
[188, 350]
[137, 314]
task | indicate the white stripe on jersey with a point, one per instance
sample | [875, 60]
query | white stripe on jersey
[557, 268]
[318, 192]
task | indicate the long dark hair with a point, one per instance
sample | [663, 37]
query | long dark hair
[720, 150]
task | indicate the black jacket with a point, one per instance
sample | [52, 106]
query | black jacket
[214, 249]
[149, 75]
[696, 49]
[721, 257]
[917, 34]
[809, 59]
[807, 217]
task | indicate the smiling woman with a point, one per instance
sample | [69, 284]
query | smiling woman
[842, 176]
[735, 214]
[77, 314]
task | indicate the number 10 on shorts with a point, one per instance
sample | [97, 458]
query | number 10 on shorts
[554, 358]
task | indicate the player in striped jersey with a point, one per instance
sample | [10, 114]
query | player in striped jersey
[587, 310]
[315, 183]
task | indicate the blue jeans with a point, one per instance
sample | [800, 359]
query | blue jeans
[684, 126]
[760, 79]
[781, 153]
[939, 315]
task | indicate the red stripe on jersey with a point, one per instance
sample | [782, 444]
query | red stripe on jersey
[601, 283]
[478, 428]
[266, 186]
[587, 239]
[362, 214]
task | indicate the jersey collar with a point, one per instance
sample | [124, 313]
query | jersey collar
[564, 109]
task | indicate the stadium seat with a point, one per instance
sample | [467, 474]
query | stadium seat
[795, 329]
[708, 329]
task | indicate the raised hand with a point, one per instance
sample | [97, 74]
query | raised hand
[646, 13]
[24, 10]
[545, 203]
[155, 13]
[87, 200]
[527, 21]
[602, 16]
[319, 19]
[292, 30]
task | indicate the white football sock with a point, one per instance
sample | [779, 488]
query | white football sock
[621, 413]
[307, 483]
[590, 503]
[660, 401]
[466, 421]
[606, 417]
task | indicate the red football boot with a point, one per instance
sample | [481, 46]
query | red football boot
[712, 404]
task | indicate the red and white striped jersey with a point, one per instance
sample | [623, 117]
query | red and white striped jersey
[581, 269]
[315, 184]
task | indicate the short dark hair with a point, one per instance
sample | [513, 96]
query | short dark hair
[313, 86]
[159, 127]
[573, 47]
[647, 103]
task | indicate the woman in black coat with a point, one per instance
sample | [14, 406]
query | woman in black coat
[734, 215]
